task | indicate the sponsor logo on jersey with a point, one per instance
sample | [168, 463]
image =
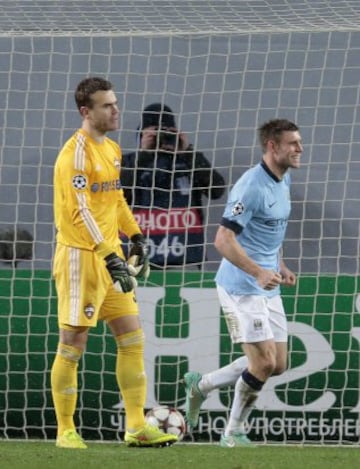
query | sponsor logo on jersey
[107, 186]
[282, 222]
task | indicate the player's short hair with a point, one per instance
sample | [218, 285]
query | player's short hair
[89, 86]
[273, 129]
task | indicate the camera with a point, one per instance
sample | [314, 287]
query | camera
[167, 137]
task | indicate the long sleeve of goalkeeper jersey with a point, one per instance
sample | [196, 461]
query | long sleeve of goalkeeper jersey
[126, 220]
[89, 205]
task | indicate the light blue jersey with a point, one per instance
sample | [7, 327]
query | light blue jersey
[257, 210]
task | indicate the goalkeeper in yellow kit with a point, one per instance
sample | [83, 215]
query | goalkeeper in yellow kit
[93, 279]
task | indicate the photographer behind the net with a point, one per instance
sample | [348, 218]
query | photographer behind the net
[164, 181]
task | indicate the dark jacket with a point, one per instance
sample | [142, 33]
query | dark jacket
[165, 190]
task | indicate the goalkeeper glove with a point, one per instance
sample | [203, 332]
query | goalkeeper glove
[138, 257]
[118, 269]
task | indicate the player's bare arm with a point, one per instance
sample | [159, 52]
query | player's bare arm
[288, 277]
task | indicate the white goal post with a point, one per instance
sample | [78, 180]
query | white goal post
[223, 67]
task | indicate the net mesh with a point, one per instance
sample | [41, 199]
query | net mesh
[172, 17]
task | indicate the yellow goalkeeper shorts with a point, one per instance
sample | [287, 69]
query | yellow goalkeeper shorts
[85, 291]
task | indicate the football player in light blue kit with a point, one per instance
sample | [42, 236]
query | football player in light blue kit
[248, 280]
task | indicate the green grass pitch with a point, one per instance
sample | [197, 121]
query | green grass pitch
[41, 455]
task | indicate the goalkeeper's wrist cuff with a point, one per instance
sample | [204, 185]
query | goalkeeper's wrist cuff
[138, 238]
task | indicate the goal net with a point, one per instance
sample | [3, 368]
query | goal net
[223, 67]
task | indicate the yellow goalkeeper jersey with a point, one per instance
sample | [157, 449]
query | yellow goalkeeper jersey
[89, 204]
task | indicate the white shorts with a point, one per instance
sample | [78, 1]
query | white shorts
[253, 318]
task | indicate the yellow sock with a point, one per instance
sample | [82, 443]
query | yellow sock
[64, 386]
[131, 377]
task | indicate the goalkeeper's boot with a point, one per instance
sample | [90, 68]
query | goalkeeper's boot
[194, 398]
[234, 440]
[70, 439]
[149, 436]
